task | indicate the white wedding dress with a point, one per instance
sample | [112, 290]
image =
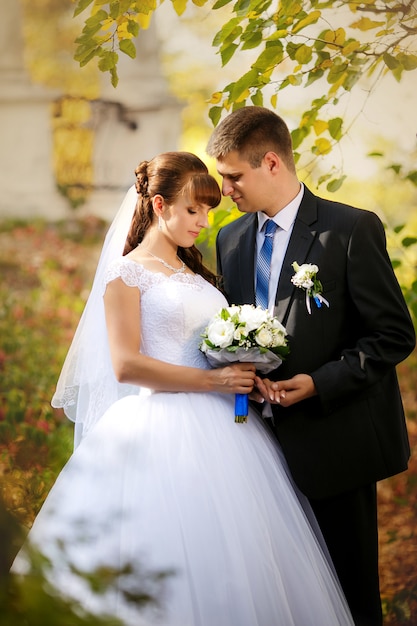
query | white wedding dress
[169, 483]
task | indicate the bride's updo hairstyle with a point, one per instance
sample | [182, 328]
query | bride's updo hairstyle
[172, 175]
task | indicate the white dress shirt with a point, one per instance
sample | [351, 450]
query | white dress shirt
[284, 219]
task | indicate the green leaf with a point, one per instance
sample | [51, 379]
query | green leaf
[298, 135]
[114, 77]
[304, 54]
[89, 32]
[335, 128]
[114, 10]
[81, 6]
[215, 114]
[128, 47]
[336, 72]
[145, 6]
[133, 28]
[390, 61]
[314, 75]
[87, 55]
[224, 314]
[291, 7]
[408, 241]
[252, 41]
[238, 105]
[108, 60]
[260, 6]
[257, 98]
[243, 84]
[227, 51]
[230, 28]
[351, 79]
[397, 229]
[412, 177]
[295, 79]
[292, 49]
[84, 38]
[335, 184]
[270, 57]
[408, 61]
[323, 179]
[265, 77]
[220, 3]
[96, 19]
[395, 167]
[319, 102]
[242, 8]
[397, 72]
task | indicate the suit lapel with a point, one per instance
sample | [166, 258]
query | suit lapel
[301, 240]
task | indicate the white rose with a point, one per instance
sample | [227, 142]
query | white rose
[239, 334]
[307, 283]
[252, 317]
[264, 337]
[301, 280]
[232, 310]
[220, 333]
[278, 339]
[276, 325]
[302, 277]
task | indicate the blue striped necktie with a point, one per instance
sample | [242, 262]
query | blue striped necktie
[263, 268]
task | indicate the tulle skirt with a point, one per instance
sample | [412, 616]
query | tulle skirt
[192, 510]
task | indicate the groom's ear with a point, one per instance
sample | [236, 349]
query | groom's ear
[272, 161]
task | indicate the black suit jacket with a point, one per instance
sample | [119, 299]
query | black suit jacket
[353, 432]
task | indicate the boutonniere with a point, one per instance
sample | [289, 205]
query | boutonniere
[305, 277]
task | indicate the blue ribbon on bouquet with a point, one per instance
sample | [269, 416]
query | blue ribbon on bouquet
[241, 408]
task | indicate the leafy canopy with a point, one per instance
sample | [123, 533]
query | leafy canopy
[297, 47]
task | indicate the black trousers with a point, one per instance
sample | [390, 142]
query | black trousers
[349, 526]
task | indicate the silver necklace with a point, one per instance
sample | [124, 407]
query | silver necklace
[167, 265]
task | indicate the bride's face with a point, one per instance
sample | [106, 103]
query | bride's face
[183, 221]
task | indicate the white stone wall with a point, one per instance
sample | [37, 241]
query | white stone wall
[133, 122]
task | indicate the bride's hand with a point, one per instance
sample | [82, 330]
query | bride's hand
[286, 392]
[236, 378]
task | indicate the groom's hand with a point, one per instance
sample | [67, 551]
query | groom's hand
[286, 392]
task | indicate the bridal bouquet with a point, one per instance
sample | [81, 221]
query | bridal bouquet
[245, 334]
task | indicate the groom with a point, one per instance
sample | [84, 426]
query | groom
[336, 408]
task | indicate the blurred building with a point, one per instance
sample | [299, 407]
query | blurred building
[133, 122]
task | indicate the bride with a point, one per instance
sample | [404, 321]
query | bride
[164, 487]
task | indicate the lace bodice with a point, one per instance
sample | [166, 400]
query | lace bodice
[174, 311]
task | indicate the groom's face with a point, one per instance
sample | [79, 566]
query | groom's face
[248, 187]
